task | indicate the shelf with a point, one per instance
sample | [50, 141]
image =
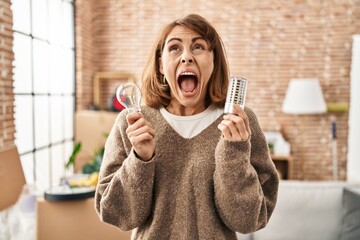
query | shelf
[283, 165]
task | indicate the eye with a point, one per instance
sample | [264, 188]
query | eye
[198, 48]
[174, 49]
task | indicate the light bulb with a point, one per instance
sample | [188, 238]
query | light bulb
[129, 95]
[236, 93]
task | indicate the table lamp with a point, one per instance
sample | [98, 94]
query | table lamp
[304, 96]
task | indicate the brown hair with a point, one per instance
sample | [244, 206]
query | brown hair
[156, 92]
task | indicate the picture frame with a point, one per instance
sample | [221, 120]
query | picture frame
[105, 85]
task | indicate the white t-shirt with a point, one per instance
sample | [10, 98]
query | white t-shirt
[190, 126]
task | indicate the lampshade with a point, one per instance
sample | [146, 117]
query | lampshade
[304, 96]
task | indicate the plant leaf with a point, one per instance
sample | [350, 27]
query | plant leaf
[76, 150]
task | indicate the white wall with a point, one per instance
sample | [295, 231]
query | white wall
[353, 164]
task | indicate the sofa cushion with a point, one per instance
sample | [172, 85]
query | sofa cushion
[241, 236]
[306, 210]
[351, 215]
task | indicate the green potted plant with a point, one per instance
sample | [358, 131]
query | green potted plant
[71, 160]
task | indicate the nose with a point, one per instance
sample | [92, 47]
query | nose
[187, 57]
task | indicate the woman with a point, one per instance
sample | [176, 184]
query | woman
[181, 169]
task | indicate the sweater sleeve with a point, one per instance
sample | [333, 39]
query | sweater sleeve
[123, 195]
[245, 181]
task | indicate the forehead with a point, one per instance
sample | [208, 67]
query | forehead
[182, 33]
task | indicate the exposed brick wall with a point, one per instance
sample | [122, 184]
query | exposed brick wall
[85, 16]
[7, 127]
[269, 42]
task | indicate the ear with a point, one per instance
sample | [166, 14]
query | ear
[161, 66]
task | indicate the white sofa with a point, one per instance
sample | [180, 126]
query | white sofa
[323, 210]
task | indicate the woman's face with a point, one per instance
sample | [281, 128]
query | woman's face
[187, 65]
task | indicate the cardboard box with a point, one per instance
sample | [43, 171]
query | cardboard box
[12, 177]
[77, 219]
[91, 129]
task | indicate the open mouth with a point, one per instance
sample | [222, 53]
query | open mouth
[188, 82]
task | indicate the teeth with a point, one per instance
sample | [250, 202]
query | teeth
[188, 73]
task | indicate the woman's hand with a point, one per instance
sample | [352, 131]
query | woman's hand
[235, 127]
[141, 135]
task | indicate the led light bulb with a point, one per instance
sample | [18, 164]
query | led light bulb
[236, 94]
[129, 95]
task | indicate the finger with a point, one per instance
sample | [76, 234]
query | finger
[135, 125]
[243, 132]
[142, 130]
[237, 120]
[225, 131]
[136, 141]
[242, 128]
[237, 129]
[133, 117]
[234, 131]
[238, 110]
[229, 130]
[241, 113]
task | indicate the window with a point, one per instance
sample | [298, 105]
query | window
[44, 87]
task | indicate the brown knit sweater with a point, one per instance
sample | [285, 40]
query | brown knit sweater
[199, 188]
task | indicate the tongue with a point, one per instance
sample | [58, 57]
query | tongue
[188, 85]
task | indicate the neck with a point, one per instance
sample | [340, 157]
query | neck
[181, 110]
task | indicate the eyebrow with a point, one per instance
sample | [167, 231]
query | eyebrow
[180, 40]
